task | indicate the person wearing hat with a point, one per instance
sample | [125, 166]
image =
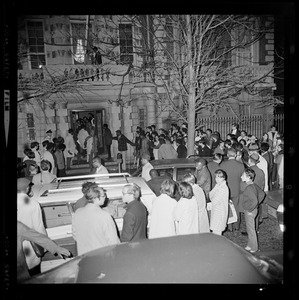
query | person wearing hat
[146, 167]
[262, 162]
[48, 136]
[29, 213]
[122, 147]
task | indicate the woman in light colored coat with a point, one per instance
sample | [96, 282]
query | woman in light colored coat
[186, 211]
[203, 219]
[219, 197]
[162, 212]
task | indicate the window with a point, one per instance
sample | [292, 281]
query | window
[243, 54]
[126, 43]
[31, 127]
[142, 118]
[78, 32]
[169, 49]
[36, 44]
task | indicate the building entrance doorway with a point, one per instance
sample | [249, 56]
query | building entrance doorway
[92, 119]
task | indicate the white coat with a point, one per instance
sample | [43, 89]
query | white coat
[162, 217]
[219, 212]
[203, 219]
[186, 216]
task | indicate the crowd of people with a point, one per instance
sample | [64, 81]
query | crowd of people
[242, 169]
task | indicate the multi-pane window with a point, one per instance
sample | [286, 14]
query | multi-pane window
[36, 44]
[30, 127]
[142, 118]
[169, 49]
[78, 32]
[126, 43]
[244, 50]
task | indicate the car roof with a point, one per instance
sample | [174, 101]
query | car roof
[194, 258]
[163, 163]
[70, 188]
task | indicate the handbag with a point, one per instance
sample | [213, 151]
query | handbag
[39, 250]
[232, 214]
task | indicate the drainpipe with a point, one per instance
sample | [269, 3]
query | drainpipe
[86, 36]
[55, 118]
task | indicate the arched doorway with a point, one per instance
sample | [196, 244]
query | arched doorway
[96, 118]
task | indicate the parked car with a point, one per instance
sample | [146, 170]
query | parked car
[56, 202]
[176, 168]
[274, 206]
[194, 258]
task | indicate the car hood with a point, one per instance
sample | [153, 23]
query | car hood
[196, 258]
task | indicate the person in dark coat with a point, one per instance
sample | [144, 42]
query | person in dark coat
[203, 176]
[135, 218]
[107, 139]
[234, 170]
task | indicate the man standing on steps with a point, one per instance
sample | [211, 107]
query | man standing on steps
[108, 140]
[122, 146]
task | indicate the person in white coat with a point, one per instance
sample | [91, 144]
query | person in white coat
[186, 211]
[203, 219]
[219, 197]
[29, 212]
[162, 212]
[70, 148]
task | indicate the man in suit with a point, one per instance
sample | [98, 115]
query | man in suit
[268, 156]
[234, 170]
[235, 130]
[135, 218]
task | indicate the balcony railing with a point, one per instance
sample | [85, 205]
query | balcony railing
[110, 74]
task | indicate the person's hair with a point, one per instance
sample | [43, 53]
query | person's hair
[60, 139]
[250, 173]
[50, 146]
[201, 160]
[71, 131]
[153, 127]
[133, 189]
[281, 147]
[265, 147]
[221, 173]
[231, 152]
[189, 178]
[244, 131]
[45, 165]
[239, 146]
[217, 156]
[34, 144]
[185, 190]
[94, 192]
[242, 141]
[61, 147]
[105, 125]
[229, 135]
[236, 125]
[210, 130]
[234, 140]
[98, 159]
[161, 140]
[168, 187]
[29, 153]
[86, 186]
[227, 142]
[154, 173]
[45, 143]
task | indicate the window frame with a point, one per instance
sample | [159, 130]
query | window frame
[89, 38]
[132, 54]
[29, 53]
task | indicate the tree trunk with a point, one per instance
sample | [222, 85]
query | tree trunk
[191, 97]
